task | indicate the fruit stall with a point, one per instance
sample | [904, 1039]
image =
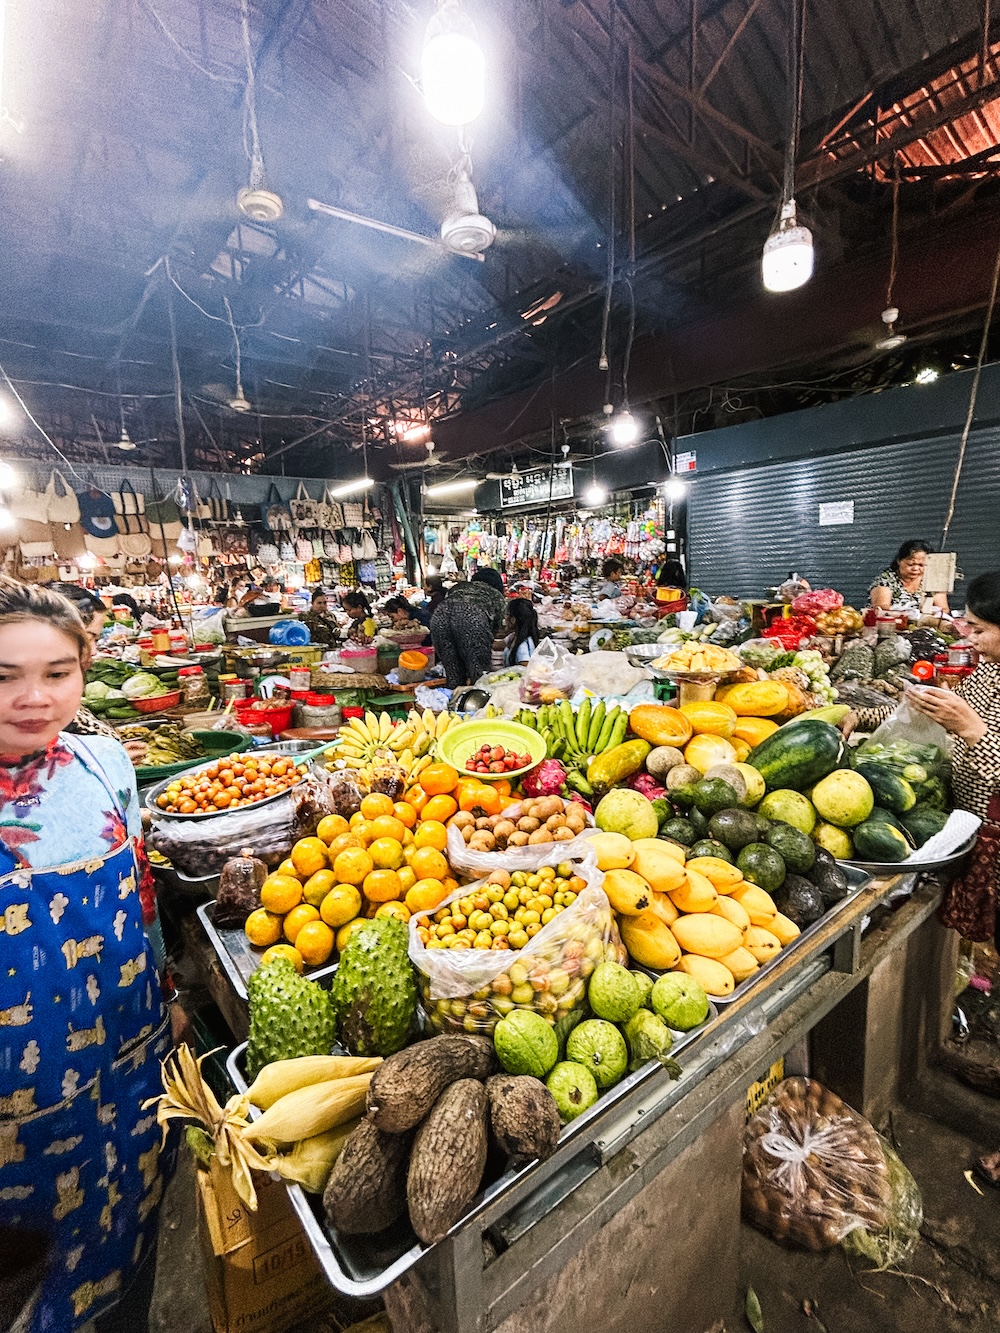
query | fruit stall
[502, 984]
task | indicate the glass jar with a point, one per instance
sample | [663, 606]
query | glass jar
[192, 681]
[233, 688]
[177, 641]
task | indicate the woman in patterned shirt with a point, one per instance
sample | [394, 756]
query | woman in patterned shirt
[972, 714]
[902, 584]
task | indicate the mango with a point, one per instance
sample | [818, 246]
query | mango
[734, 912]
[695, 894]
[707, 934]
[753, 730]
[713, 975]
[627, 892]
[656, 865]
[762, 944]
[649, 941]
[723, 875]
[662, 907]
[758, 904]
[785, 929]
[613, 851]
[741, 963]
[674, 849]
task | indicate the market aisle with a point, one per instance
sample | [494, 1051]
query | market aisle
[954, 1275]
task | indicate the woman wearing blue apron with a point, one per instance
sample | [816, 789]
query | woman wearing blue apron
[82, 1024]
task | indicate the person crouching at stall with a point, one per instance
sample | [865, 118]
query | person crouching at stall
[82, 1022]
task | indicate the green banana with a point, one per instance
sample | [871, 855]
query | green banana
[618, 730]
[568, 719]
[576, 780]
[583, 723]
[596, 722]
[608, 725]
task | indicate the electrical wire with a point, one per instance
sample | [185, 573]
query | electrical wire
[604, 362]
[973, 395]
[216, 78]
[239, 355]
[27, 412]
[254, 152]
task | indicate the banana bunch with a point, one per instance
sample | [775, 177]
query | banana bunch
[575, 736]
[376, 739]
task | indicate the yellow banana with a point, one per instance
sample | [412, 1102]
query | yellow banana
[355, 751]
[353, 761]
[405, 761]
[423, 744]
[358, 726]
[385, 726]
[371, 722]
[420, 765]
[429, 721]
[443, 723]
[401, 740]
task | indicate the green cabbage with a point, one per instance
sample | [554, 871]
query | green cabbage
[141, 685]
[96, 690]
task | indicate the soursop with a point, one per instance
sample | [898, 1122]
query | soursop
[374, 993]
[289, 1016]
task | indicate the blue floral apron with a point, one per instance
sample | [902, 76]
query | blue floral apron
[82, 1032]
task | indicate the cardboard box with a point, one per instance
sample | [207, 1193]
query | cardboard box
[261, 1274]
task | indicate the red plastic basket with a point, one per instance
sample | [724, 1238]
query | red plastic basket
[277, 716]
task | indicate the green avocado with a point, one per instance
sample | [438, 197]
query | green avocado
[733, 828]
[796, 849]
[762, 865]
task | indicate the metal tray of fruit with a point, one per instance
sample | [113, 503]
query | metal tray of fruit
[239, 958]
[154, 793]
[913, 865]
[363, 1266]
[800, 947]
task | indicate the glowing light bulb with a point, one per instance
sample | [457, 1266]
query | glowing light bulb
[452, 66]
[624, 429]
[787, 261]
[675, 489]
[594, 495]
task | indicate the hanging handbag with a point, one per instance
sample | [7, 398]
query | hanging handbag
[64, 508]
[331, 513]
[369, 547]
[235, 541]
[105, 547]
[133, 537]
[274, 512]
[331, 547]
[97, 514]
[206, 549]
[164, 518]
[312, 572]
[267, 554]
[316, 542]
[28, 505]
[303, 549]
[42, 549]
[354, 515]
[304, 509]
[67, 541]
[344, 556]
[218, 503]
[286, 551]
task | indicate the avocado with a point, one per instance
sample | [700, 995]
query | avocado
[699, 822]
[711, 847]
[713, 794]
[763, 824]
[762, 865]
[828, 877]
[733, 828]
[796, 849]
[683, 794]
[679, 830]
[799, 900]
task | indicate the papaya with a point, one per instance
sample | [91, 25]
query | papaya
[741, 963]
[734, 912]
[714, 976]
[762, 698]
[695, 894]
[660, 724]
[709, 718]
[707, 934]
[650, 941]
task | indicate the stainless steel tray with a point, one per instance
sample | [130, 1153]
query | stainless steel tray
[911, 866]
[237, 955]
[363, 1266]
[152, 793]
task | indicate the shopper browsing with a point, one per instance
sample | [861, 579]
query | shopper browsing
[82, 1025]
[611, 572]
[465, 624]
[403, 615]
[522, 632]
[901, 585]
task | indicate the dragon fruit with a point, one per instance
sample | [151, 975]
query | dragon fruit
[648, 785]
[581, 800]
[547, 779]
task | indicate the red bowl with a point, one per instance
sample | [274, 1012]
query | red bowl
[158, 702]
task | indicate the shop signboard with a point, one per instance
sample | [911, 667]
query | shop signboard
[537, 486]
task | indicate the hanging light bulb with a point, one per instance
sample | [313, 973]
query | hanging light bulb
[787, 261]
[594, 495]
[624, 429]
[892, 339]
[675, 489]
[452, 66]
[8, 477]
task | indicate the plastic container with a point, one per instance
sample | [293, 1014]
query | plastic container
[300, 678]
[318, 710]
[195, 686]
[947, 677]
[178, 641]
[254, 716]
[348, 711]
[160, 641]
[234, 689]
[361, 659]
[158, 702]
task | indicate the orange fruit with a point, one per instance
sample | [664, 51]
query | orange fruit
[280, 893]
[341, 904]
[394, 909]
[408, 852]
[363, 831]
[340, 844]
[357, 818]
[429, 863]
[405, 813]
[344, 933]
[318, 886]
[388, 826]
[309, 855]
[464, 786]
[431, 833]
[386, 853]
[287, 867]
[376, 803]
[502, 788]
[426, 895]
[416, 797]
[450, 885]
[352, 865]
[480, 800]
[297, 918]
[438, 779]
[283, 951]
[407, 877]
[262, 927]
[438, 809]
[382, 886]
[330, 826]
[315, 943]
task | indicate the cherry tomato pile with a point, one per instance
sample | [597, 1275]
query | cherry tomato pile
[495, 759]
[226, 784]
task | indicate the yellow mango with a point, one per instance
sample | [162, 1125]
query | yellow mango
[759, 905]
[695, 894]
[627, 892]
[762, 944]
[785, 929]
[613, 851]
[649, 941]
[707, 934]
[723, 875]
[662, 871]
[673, 849]
[713, 975]
[732, 911]
[662, 907]
[741, 963]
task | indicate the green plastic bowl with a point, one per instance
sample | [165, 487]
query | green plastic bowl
[459, 743]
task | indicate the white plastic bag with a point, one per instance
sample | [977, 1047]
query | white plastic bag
[550, 675]
[530, 857]
[905, 739]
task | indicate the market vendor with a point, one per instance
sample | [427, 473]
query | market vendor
[358, 607]
[901, 585]
[611, 573]
[671, 587]
[465, 624]
[82, 1024]
[322, 625]
[404, 615]
[262, 601]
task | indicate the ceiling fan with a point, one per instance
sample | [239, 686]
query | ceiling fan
[464, 232]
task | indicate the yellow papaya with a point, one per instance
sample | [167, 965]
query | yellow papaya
[763, 698]
[754, 730]
[709, 718]
[660, 724]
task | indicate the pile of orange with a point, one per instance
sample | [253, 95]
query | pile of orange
[386, 860]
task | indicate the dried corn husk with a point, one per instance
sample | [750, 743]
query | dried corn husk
[312, 1110]
[186, 1096]
[281, 1077]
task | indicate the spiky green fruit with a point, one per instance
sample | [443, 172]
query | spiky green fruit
[289, 1016]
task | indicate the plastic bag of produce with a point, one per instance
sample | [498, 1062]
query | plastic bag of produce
[550, 674]
[820, 599]
[466, 859]
[202, 846]
[908, 743]
[814, 1170]
[471, 989]
[896, 1241]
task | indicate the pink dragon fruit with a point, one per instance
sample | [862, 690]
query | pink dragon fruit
[648, 785]
[580, 800]
[547, 779]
